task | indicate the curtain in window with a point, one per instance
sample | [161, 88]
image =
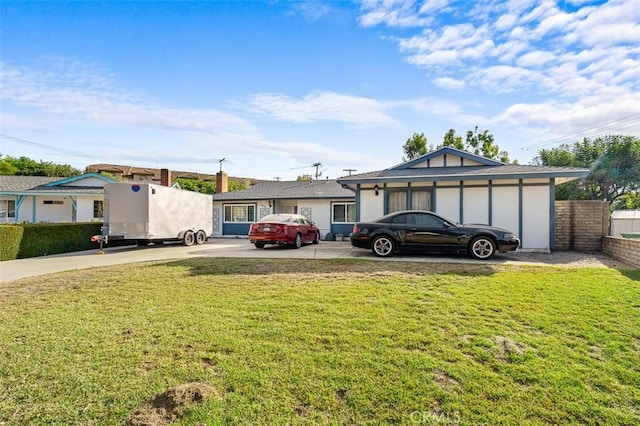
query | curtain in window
[421, 200]
[397, 201]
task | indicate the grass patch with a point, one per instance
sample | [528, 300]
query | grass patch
[344, 342]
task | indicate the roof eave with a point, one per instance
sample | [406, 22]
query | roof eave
[457, 177]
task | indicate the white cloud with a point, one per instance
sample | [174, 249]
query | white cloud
[505, 22]
[536, 48]
[392, 13]
[322, 106]
[312, 10]
[79, 91]
[535, 59]
[430, 6]
[449, 83]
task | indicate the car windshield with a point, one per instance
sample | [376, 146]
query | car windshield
[282, 218]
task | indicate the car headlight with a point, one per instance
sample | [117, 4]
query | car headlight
[510, 236]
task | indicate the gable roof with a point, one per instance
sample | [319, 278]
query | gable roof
[447, 150]
[278, 190]
[46, 185]
[81, 177]
[478, 168]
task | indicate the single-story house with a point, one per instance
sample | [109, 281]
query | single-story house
[467, 188]
[324, 202]
[52, 199]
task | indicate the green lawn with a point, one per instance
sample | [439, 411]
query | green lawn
[344, 342]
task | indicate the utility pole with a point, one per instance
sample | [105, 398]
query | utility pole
[277, 178]
[317, 166]
[349, 170]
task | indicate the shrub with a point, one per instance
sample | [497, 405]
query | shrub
[10, 237]
[40, 239]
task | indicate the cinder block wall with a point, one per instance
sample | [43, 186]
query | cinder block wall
[581, 225]
[624, 249]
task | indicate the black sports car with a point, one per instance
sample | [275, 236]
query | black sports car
[427, 232]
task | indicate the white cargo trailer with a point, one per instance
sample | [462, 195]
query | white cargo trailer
[144, 212]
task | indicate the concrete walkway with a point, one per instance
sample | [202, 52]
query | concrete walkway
[224, 247]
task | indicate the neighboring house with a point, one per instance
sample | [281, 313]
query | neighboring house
[468, 188]
[324, 202]
[151, 175]
[52, 199]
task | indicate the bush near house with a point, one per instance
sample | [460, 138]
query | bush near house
[40, 239]
[10, 236]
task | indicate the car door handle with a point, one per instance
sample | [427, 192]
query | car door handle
[413, 229]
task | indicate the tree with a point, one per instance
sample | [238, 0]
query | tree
[479, 143]
[614, 169]
[209, 187]
[415, 147]
[453, 140]
[7, 168]
[238, 185]
[24, 166]
[304, 178]
[197, 185]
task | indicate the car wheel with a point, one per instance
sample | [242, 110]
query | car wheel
[383, 246]
[259, 245]
[188, 238]
[298, 241]
[201, 237]
[317, 239]
[482, 248]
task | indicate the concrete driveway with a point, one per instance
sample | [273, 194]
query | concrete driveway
[224, 247]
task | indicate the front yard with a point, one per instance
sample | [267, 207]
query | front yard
[344, 342]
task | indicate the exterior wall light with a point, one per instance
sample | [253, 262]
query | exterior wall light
[376, 189]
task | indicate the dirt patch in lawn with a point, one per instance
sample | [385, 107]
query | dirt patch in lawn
[170, 405]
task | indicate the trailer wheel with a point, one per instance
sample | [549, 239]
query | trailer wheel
[201, 237]
[188, 238]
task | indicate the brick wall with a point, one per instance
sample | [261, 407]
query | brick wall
[624, 249]
[581, 225]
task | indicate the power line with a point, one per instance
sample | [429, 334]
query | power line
[627, 122]
[45, 147]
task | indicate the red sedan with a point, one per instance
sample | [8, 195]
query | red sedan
[283, 229]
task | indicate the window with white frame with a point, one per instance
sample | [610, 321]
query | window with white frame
[7, 209]
[240, 213]
[344, 213]
[98, 209]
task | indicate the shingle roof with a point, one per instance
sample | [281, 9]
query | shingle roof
[24, 183]
[289, 190]
[467, 172]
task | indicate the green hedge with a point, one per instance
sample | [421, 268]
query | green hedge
[10, 237]
[24, 240]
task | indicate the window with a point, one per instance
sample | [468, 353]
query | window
[240, 213]
[420, 200]
[56, 202]
[344, 213]
[425, 220]
[409, 199]
[7, 209]
[397, 201]
[97, 209]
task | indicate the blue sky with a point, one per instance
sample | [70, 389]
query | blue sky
[274, 87]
